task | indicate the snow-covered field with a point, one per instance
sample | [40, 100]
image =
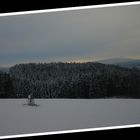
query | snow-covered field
[65, 114]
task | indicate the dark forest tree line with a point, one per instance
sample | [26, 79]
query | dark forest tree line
[6, 87]
[72, 80]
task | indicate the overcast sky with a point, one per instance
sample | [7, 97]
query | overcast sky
[77, 35]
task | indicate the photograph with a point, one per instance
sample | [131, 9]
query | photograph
[69, 69]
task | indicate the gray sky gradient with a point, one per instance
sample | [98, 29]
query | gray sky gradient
[79, 35]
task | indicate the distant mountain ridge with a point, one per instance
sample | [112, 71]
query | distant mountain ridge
[123, 62]
[4, 69]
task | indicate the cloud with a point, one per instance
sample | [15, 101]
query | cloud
[68, 35]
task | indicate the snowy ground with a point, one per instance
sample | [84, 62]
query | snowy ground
[65, 114]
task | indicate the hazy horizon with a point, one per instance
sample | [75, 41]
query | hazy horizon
[71, 36]
[72, 61]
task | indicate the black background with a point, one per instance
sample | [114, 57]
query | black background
[7, 6]
[103, 134]
[10, 6]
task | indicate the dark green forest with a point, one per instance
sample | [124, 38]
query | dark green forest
[70, 80]
[6, 86]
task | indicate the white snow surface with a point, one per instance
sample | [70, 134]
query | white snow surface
[65, 114]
